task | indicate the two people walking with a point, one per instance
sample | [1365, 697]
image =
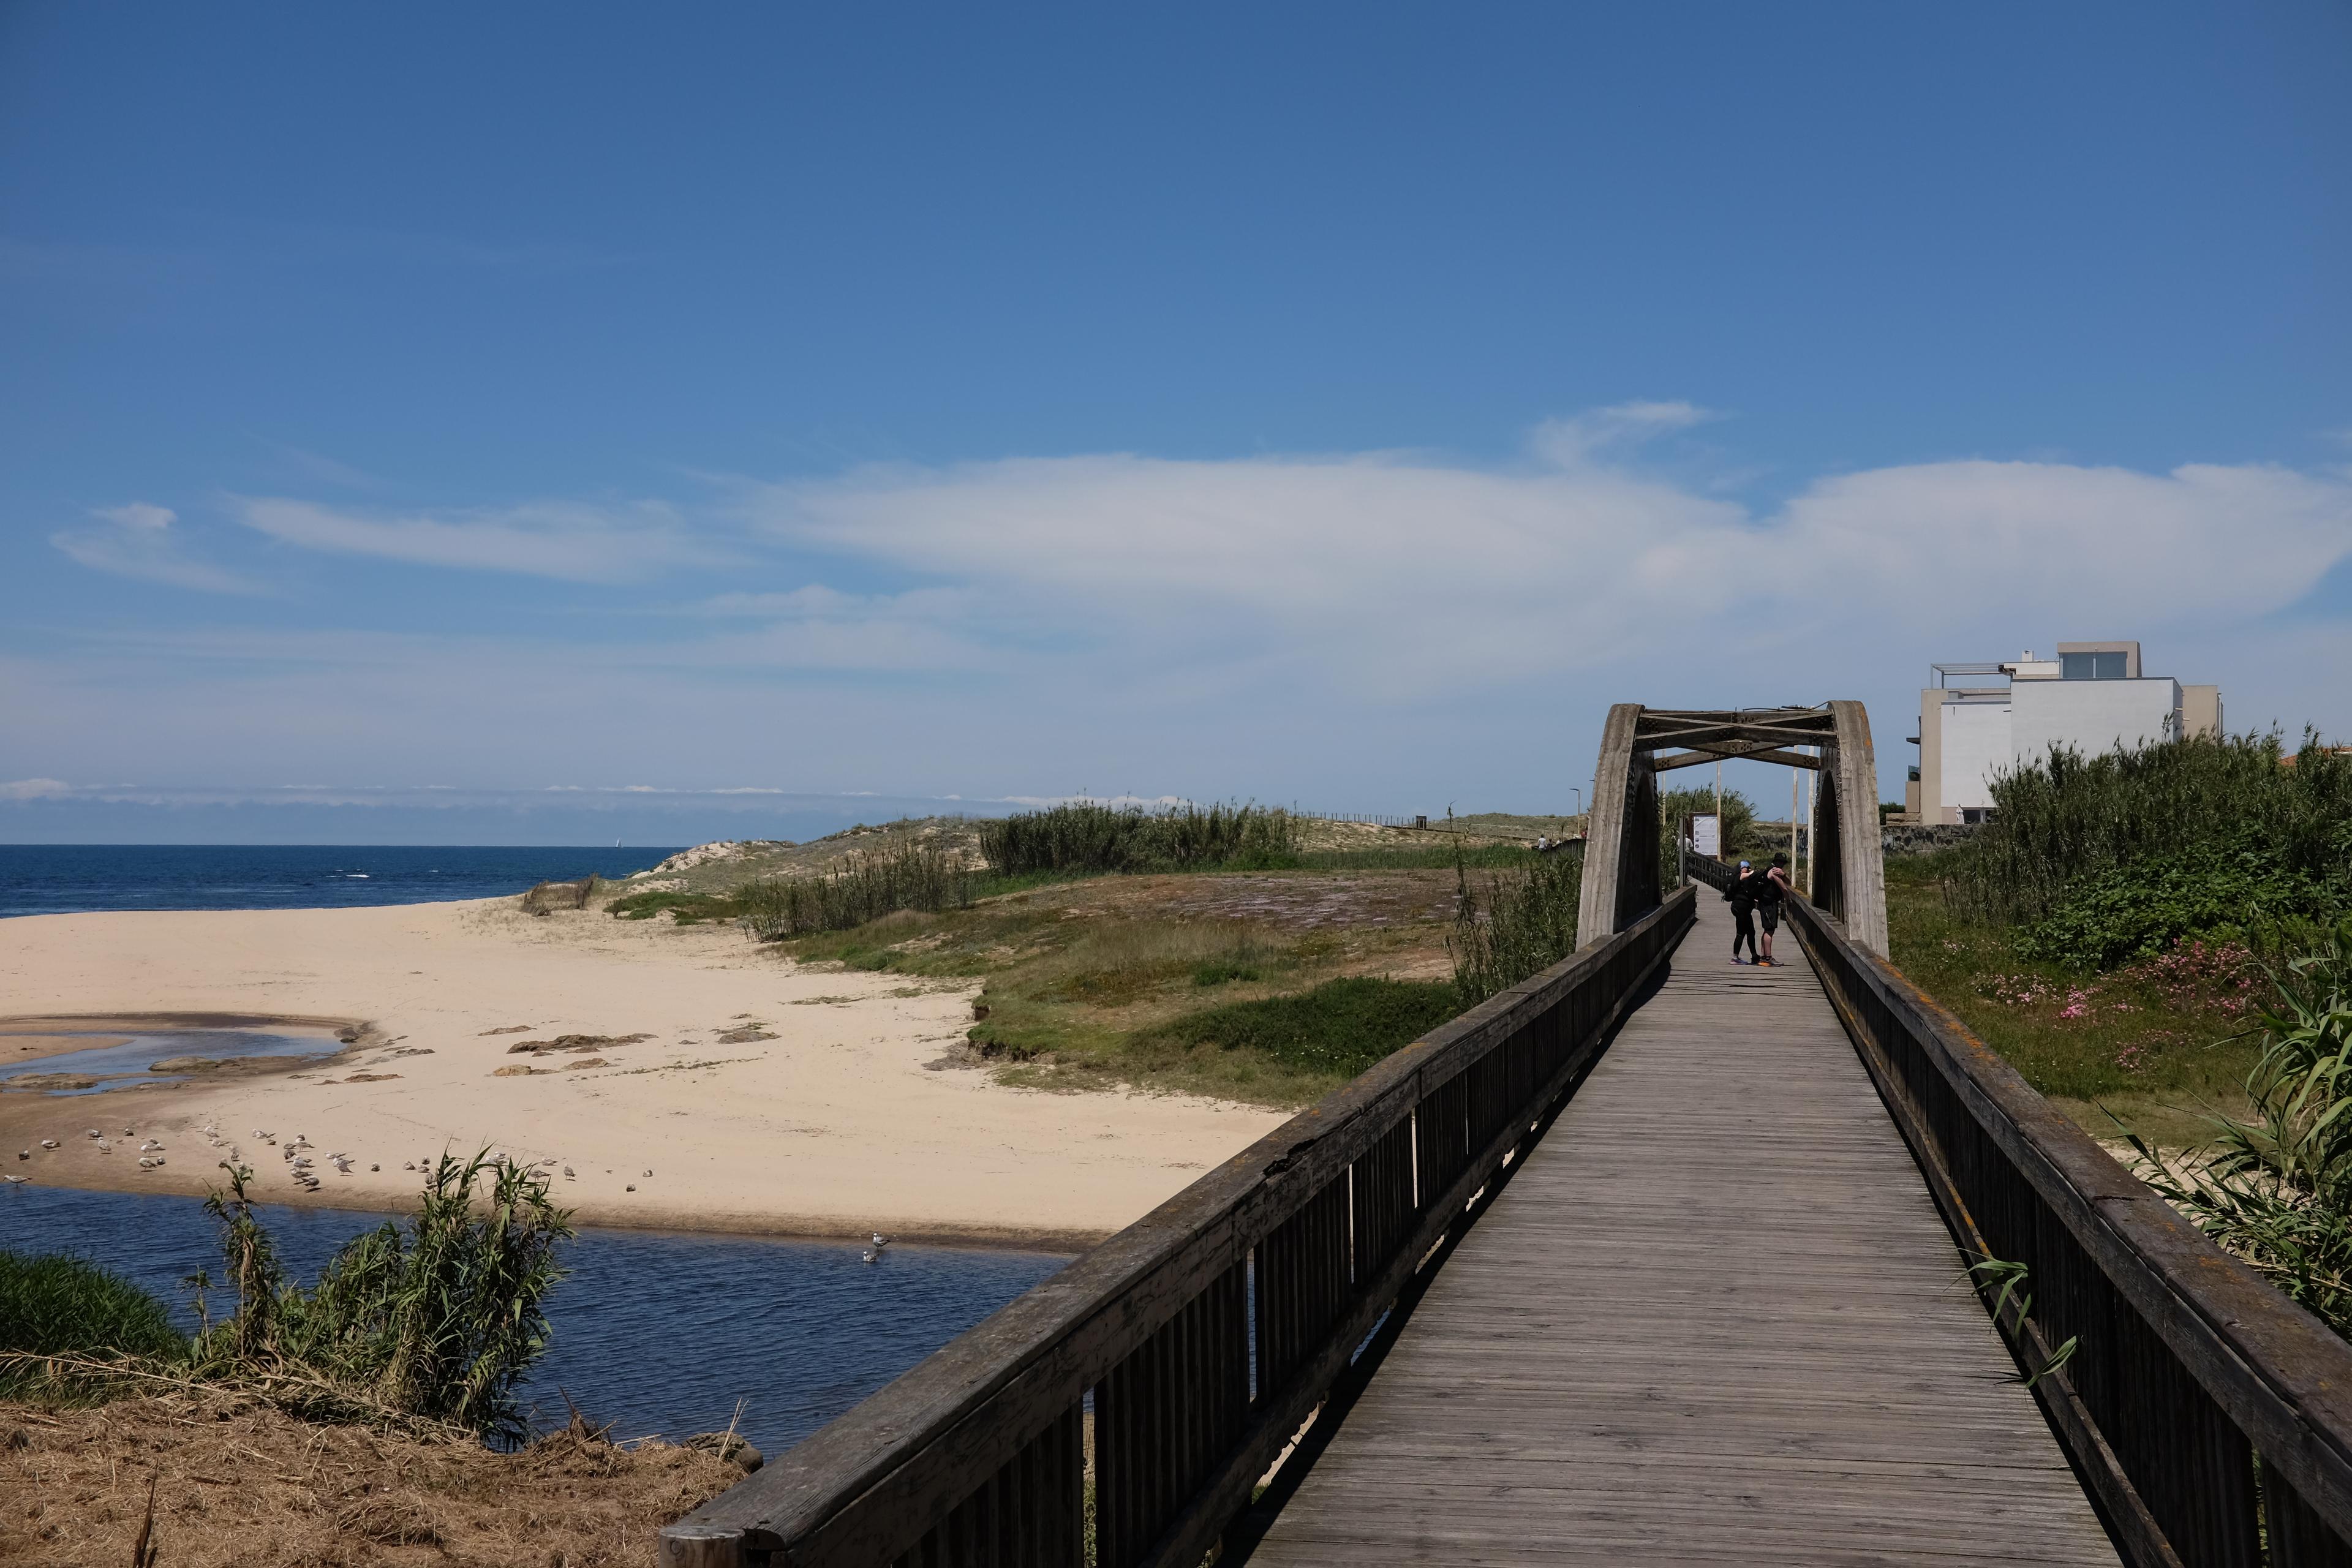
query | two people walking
[1757, 894]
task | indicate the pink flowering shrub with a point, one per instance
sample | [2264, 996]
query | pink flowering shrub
[2193, 973]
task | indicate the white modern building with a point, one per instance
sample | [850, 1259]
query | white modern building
[2091, 697]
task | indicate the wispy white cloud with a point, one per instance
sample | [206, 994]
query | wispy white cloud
[319, 468]
[140, 542]
[1256, 625]
[1403, 576]
[34, 789]
[574, 542]
[1579, 438]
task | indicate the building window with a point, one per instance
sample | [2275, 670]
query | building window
[1976, 813]
[2091, 666]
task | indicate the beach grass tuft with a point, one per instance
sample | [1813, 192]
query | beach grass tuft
[1336, 1030]
[1090, 837]
[910, 875]
[54, 1304]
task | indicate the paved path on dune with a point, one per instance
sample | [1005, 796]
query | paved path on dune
[1715, 1319]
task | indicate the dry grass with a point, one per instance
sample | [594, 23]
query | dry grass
[237, 1483]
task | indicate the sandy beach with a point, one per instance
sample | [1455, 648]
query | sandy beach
[762, 1096]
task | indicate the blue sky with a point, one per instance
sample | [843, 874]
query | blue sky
[518, 424]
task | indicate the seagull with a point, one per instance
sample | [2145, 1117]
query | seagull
[16, 1181]
[881, 1240]
[48, 1142]
[104, 1147]
[375, 1167]
[648, 1173]
[567, 1173]
[149, 1147]
[25, 1155]
[871, 1254]
[96, 1133]
[632, 1187]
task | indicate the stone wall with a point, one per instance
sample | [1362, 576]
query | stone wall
[1925, 838]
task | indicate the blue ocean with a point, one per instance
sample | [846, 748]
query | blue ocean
[63, 878]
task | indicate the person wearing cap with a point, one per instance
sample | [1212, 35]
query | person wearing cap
[1770, 889]
[1743, 913]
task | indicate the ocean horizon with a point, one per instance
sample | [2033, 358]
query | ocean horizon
[73, 879]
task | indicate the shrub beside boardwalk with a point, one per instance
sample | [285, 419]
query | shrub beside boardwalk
[2160, 940]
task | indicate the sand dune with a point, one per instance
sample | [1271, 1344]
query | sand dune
[766, 1096]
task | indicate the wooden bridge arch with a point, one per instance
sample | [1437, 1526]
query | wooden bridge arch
[1623, 852]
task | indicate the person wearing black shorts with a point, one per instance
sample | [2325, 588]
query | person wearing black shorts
[1770, 889]
[1743, 913]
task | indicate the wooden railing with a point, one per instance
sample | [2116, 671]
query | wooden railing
[1206, 1334]
[2210, 1416]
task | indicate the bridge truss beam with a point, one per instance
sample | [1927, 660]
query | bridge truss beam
[1624, 872]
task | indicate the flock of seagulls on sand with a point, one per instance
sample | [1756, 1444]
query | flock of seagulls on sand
[296, 1152]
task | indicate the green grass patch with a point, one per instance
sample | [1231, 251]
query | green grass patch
[2156, 1042]
[55, 1304]
[1336, 1030]
[686, 908]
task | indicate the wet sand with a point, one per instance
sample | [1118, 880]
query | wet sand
[762, 1097]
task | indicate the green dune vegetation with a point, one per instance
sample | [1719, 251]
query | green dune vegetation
[1228, 950]
[2160, 940]
[2116, 929]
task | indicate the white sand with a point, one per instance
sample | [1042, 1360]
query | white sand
[835, 1126]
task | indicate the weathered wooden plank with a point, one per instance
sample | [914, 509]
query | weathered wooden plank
[2278, 1373]
[1714, 1317]
[862, 1487]
[1192, 1533]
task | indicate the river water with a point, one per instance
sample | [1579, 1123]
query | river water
[118, 1059]
[660, 1332]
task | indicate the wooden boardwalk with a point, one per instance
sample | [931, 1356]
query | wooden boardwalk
[1715, 1319]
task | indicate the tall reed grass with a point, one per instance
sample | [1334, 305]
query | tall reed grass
[437, 1319]
[427, 1325]
[1087, 837]
[908, 874]
[1521, 926]
[2151, 831]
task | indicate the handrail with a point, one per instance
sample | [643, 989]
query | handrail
[2210, 1416]
[1206, 1333]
